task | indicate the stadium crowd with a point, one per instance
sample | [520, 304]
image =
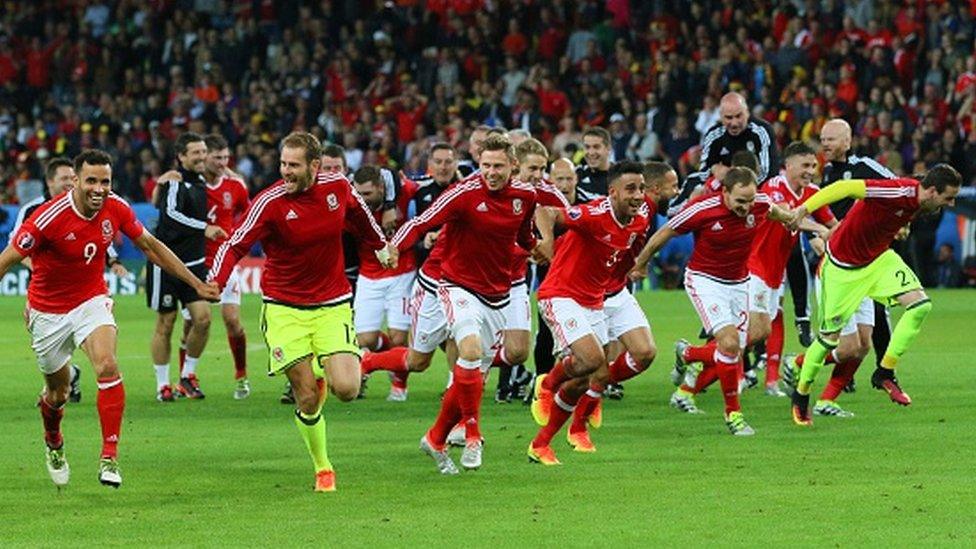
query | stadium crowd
[386, 79]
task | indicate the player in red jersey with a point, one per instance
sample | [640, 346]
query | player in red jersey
[483, 215]
[717, 275]
[859, 263]
[572, 295]
[306, 319]
[383, 294]
[770, 253]
[532, 159]
[631, 349]
[68, 302]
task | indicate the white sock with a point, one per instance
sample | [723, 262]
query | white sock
[162, 375]
[190, 366]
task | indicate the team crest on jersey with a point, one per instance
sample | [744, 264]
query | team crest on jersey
[26, 241]
[278, 354]
[332, 201]
[167, 300]
[750, 221]
[107, 231]
[574, 213]
[517, 205]
[228, 200]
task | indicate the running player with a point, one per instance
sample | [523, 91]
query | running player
[859, 263]
[68, 302]
[306, 319]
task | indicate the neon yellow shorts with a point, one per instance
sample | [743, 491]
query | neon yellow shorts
[293, 334]
[842, 290]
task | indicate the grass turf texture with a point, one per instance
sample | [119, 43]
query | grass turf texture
[226, 472]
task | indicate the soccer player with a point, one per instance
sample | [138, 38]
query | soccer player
[183, 227]
[869, 325]
[532, 159]
[859, 263]
[227, 199]
[68, 302]
[306, 319]
[737, 131]
[592, 176]
[483, 216]
[572, 296]
[716, 279]
[770, 253]
[381, 293]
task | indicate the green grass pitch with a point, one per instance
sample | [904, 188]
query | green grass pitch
[223, 472]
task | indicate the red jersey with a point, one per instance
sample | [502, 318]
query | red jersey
[772, 246]
[68, 250]
[369, 266]
[586, 255]
[302, 238]
[227, 199]
[620, 275]
[722, 238]
[872, 223]
[482, 225]
[545, 195]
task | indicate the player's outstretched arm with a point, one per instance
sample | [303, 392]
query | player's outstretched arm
[845, 188]
[546, 219]
[161, 255]
[8, 258]
[654, 244]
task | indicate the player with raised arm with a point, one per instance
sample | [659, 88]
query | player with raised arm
[483, 216]
[68, 302]
[306, 318]
[859, 263]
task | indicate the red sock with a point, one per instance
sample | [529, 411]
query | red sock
[447, 418]
[394, 360]
[728, 376]
[499, 360]
[842, 375]
[183, 357]
[624, 368]
[470, 386]
[562, 408]
[399, 380]
[51, 417]
[705, 378]
[238, 350]
[110, 404]
[557, 375]
[774, 350]
[700, 353]
[584, 407]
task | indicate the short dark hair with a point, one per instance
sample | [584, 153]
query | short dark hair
[368, 174]
[499, 142]
[334, 151]
[940, 177]
[215, 142]
[441, 146]
[654, 171]
[184, 140]
[744, 159]
[624, 167]
[597, 131]
[304, 140]
[739, 176]
[51, 168]
[92, 157]
[798, 148]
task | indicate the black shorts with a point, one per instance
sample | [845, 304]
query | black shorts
[164, 292]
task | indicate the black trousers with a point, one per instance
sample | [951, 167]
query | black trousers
[798, 276]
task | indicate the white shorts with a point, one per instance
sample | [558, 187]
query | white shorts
[719, 305]
[623, 314]
[518, 311]
[54, 337]
[382, 298]
[427, 321]
[864, 314]
[570, 322]
[232, 290]
[762, 298]
[468, 316]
